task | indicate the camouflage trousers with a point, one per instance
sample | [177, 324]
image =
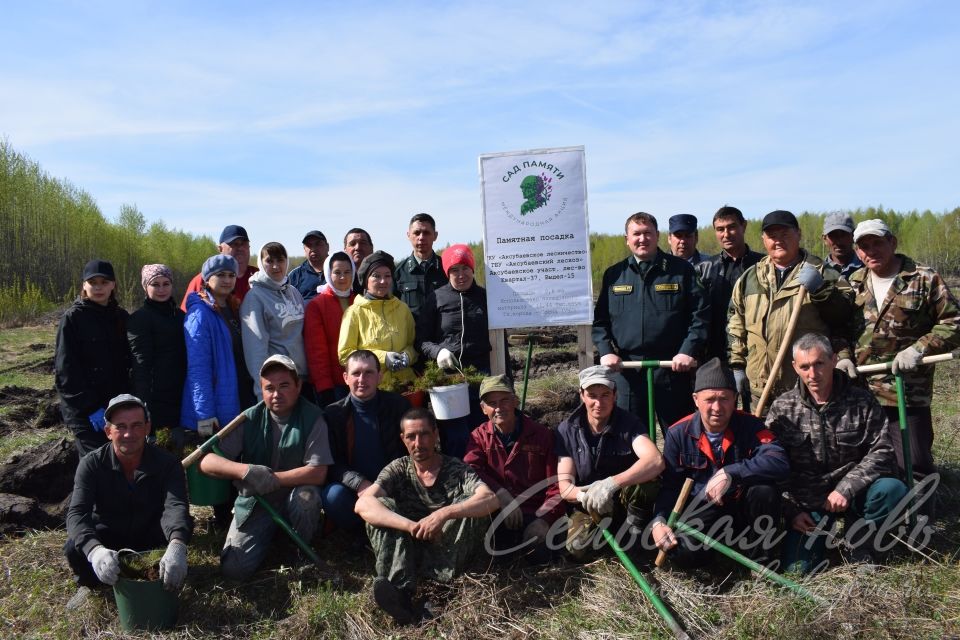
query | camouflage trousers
[632, 508]
[402, 559]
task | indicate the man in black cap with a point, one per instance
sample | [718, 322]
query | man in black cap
[735, 463]
[235, 242]
[683, 238]
[309, 274]
[719, 272]
[838, 236]
[126, 494]
[762, 302]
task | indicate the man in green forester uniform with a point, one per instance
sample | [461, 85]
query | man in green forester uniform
[651, 306]
[281, 453]
[416, 276]
[908, 312]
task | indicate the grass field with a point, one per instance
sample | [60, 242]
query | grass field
[916, 596]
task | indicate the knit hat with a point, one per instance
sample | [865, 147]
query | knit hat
[151, 271]
[457, 254]
[100, 268]
[714, 375]
[217, 264]
[371, 262]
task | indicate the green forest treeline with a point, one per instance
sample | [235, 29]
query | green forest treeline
[49, 229]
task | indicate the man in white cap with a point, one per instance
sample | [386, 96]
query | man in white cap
[280, 453]
[908, 313]
[126, 494]
[606, 463]
[838, 236]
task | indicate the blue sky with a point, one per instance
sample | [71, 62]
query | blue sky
[290, 116]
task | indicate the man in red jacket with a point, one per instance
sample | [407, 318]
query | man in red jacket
[515, 457]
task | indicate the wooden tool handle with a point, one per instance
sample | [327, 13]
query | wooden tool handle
[214, 439]
[677, 508]
[785, 344]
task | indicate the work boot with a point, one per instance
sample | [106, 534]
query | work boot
[79, 599]
[394, 601]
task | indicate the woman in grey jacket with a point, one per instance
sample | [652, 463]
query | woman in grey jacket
[271, 316]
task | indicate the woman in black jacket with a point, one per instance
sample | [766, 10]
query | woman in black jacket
[159, 356]
[92, 359]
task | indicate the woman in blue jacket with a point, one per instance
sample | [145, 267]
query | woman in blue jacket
[217, 387]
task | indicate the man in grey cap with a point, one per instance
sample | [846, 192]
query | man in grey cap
[280, 453]
[235, 242]
[308, 276]
[606, 463]
[126, 494]
[735, 463]
[907, 312]
[683, 237]
[838, 236]
[762, 303]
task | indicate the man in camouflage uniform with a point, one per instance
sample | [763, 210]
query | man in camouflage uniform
[916, 316]
[841, 460]
[426, 516]
[763, 300]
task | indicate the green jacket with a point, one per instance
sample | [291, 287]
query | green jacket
[412, 283]
[919, 311]
[759, 314]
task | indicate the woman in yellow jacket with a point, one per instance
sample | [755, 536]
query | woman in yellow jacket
[379, 322]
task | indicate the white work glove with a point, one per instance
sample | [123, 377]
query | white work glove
[907, 360]
[600, 496]
[848, 367]
[809, 277]
[513, 517]
[106, 564]
[396, 360]
[446, 360]
[173, 565]
[208, 427]
[257, 481]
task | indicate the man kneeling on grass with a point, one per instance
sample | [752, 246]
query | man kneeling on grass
[606, 465]
[283, 456]
[735, 463]
[426, 516]
[126, 494]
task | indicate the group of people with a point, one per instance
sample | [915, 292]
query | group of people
[304, 357]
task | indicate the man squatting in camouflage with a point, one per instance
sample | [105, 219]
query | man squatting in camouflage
[841, 460]
[426, 516]
[908, 312]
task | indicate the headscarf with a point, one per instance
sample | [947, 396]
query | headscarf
[151, 271]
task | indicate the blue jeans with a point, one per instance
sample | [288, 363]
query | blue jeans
[338, 503]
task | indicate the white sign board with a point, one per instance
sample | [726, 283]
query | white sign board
[536, 238]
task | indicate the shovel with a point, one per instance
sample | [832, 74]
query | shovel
[649, 365]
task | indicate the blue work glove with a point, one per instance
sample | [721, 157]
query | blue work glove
[809, 277]
[98, 419]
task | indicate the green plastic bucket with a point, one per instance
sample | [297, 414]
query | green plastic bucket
[145, 605]
[204, 490]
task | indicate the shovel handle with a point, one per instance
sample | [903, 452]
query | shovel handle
[885, 366]
[677, 508]
[785, 345]
[647, 364]
[208, 446]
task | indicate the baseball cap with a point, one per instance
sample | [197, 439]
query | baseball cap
[598, 374]
[874, 227]
[495, 383]
[683, 222]
[282, 360]
[779, 217]
[124, 400]
[100, 268]
[314, 234]
[231, 232]
[837, 220]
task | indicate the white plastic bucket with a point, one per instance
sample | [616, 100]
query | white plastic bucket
[450, 402]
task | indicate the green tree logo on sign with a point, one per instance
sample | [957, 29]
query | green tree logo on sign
[536, 192]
